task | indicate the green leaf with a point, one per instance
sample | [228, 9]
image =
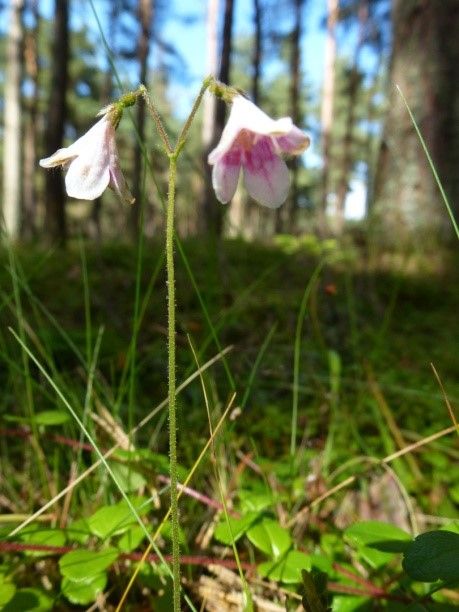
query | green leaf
[83, 593]
[114, 520]
[30, 600]
[270, 537]
[254, 502]
[131, 539]
[7, 590]
[78, 531]
[349, 603]
[287, 569]
[377, 542]
[43, 535]
[237, 527]
[433, 556]
[83, 565]
[109, 521]
[51, 417]
[129, 480]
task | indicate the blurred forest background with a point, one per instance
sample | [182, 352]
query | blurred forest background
[332, 65]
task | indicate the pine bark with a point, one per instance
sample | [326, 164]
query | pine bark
[12, 123]
[30, 132]
[213, 213]
[55, 219]
[145, 15]
[408, 211]
[347, 161]
[327, 104]
[286, 215]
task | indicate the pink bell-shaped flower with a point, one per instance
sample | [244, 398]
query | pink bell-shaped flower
[254, 142]
[92, 163]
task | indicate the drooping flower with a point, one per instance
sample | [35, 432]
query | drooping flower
[254, 142]
[92, 162]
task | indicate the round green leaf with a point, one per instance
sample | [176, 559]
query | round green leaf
[83, 565]
[51, 417]
[433, 556]
[84, 593]
[110, 520]
[377, 542]
[7, 590]
[225, 533]
[32, 600]
[287, 569]
[43, 535]
[270, 537]
[131, 539]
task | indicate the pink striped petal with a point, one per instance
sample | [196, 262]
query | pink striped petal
[225, 176]
[269, 182]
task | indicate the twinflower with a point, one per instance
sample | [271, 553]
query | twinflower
[254, 142]
[92, 161]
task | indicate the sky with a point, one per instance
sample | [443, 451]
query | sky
[188, 38]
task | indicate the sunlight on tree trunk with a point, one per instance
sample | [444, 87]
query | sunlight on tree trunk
[213, 213]
[145, 14]
[326, 113]
[209, 106]
[30, 135]
[12, 118]
[55, 220]
[425, 59]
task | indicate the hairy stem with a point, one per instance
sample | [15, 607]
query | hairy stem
[172, 382]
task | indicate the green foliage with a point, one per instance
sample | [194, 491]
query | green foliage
[387, 309]
[433, 556]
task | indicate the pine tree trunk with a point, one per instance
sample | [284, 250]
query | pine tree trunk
[408, 211]
[145, 13]
[209, 106]
[12, 117]
[286, 215]
[327, 105]
[213, 212]
[30, 135]
[55, 220]
[257, 51]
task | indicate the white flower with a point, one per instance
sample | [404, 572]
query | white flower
[254, 142]
[92, 164]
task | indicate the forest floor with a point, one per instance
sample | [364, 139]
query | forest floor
[349, 355]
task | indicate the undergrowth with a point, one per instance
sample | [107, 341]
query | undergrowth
[330, 513]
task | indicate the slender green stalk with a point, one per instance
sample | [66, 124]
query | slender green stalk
[171, 372]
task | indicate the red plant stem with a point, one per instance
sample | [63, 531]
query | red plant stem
[370, 591]
[184, 559]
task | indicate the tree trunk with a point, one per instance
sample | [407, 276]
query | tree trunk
[12, 118]
[286, 215]
[30, 136]
[213, 213]
[348, 140]
[145, 14]
[327, 104]
[209, 105]
[55, 220]
[257, 51]
[408, 210]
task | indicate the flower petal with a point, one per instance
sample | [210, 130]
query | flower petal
[59, 158]
[117, 180]
[245, 115]
[268, 181]
[293, 143]
[225, 176]
[88, 174]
